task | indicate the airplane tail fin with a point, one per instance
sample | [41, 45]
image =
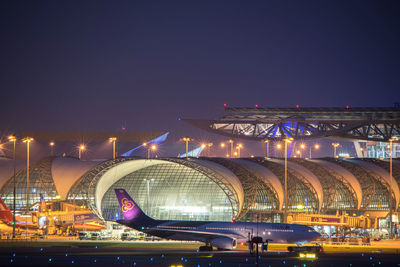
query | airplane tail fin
[5, 213]
[130, 210]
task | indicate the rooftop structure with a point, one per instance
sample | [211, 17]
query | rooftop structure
[373, 124]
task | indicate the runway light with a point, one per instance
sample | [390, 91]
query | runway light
[307, 255]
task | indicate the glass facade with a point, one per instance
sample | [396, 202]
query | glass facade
[40, 182]
[299, 192]
[381, 150]
[195, 189]
[170, 192]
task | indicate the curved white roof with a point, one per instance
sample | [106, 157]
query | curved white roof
[382, 173]
[267, 176]
[231, 178]
[348, 176]
[66, 171]
[7, 169]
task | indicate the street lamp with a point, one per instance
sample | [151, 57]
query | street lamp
[302, 147]
[113, 139]
[238, 147]
[316, 147]
[186, 139]
[391, 140]
[153, 148]
[13, 139]
[231, 142]
[267, 148]
[81, 148]
[148, 194]
[335, 145]
[52, 144]
[27, 140]
[286, 140]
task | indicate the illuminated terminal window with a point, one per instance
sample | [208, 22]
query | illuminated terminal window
[173, 192]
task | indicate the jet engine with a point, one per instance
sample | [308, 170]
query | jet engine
[224, 243]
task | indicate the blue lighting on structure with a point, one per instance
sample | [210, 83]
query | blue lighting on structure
[195, 153]
[158, 141]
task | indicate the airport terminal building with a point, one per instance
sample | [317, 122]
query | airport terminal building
[217, 189]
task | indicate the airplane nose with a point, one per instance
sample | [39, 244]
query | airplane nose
[316, 235]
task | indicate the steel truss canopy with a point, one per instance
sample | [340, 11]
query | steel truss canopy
[275, 124]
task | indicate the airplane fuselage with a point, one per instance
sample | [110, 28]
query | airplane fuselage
[205, 231]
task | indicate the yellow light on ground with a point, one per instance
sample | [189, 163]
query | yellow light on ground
[310, 256]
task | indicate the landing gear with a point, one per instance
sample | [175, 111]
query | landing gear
[206, 248]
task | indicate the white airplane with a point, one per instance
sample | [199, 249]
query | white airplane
[222, 235]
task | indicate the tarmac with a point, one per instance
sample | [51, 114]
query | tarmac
[63, 252]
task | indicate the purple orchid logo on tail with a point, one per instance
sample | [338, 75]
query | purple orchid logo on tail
[127, 205]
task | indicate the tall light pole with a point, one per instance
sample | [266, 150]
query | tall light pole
[316, 146]
[149, 149]
[113, 139]
[238, 147]
[148, 194]
[27, 140]
[302, 147]
[335, 145]
[391, 189]
[222, 145]
[231, 142]
[81, 148]
[286, 140]
[186, 139]
[13, 139]
[52, 144]
[267, 148]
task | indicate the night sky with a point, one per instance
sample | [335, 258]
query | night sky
[94, 65]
